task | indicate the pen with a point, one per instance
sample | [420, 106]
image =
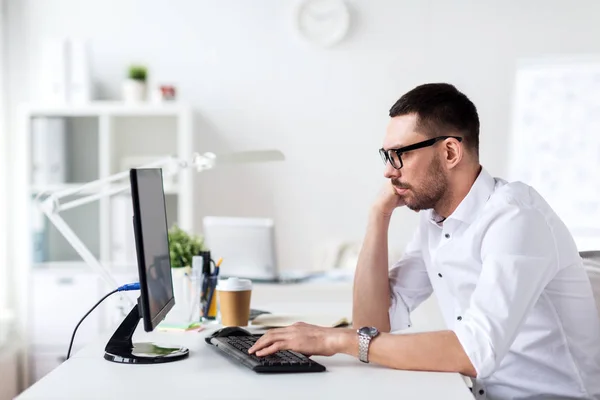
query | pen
[211, 292]
[206, 260]
[216, 273]
[206, 273]
[212, 286]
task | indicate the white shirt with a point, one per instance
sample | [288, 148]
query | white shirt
[511, 285]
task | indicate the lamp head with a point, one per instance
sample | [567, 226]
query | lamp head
[204, 161]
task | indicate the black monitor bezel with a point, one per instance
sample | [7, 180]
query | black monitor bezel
[150, 323]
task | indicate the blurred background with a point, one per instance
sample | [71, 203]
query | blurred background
[90, 88]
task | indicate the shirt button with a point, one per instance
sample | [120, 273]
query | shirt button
[481, 392]
[447, 236]
[459, 318]
[440, 275]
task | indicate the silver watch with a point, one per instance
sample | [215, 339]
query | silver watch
[365, 335]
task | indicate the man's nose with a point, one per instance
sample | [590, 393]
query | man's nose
[391, 172]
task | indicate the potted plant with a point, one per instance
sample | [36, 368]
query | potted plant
[135, 86]
[183, 246]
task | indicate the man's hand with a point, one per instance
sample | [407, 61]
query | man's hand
[388, 199]
[303, 338]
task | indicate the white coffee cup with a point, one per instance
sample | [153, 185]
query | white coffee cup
[234, 301]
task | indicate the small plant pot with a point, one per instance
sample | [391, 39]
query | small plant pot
[134, 91]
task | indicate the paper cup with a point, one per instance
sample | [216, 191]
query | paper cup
[234, 301]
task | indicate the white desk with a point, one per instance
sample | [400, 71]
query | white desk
[207, 373]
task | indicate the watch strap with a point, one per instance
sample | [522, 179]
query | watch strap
[363, 347]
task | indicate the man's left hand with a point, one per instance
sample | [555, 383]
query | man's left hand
[305, 339]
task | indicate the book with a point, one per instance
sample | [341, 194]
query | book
[282, 320]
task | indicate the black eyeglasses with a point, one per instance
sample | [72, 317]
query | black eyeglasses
[394, 156]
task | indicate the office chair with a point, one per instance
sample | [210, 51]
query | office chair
[591, 263]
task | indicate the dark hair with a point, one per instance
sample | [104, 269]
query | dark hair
[441, 110]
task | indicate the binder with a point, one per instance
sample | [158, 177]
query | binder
[49, 151]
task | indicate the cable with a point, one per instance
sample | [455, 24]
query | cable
[129, 286]
[124, 288]
[88, 313]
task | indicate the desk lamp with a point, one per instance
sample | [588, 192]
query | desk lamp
[51, 205]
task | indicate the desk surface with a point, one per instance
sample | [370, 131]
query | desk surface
[210, 374]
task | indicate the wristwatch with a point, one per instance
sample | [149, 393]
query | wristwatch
[365, 335]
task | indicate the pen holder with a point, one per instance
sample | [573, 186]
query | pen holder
[208, 299]
[191, 299]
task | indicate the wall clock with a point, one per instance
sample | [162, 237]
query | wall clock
[323, 22]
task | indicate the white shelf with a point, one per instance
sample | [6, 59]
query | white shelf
[170, 189]
[99, 136]
[109, 108]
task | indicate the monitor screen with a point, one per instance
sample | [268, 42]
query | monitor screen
[152, 245]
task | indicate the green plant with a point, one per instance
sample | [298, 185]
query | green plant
[138, 72]
[183, 246]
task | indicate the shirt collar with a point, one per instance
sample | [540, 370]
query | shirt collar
[474, 201]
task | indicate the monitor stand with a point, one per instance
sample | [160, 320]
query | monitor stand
[121, 349]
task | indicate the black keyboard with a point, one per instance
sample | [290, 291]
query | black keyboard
[281, 361]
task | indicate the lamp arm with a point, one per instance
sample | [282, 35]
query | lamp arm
[51, 206]
[167, 161]
[88, 199]
[52, 202]
[82, 249]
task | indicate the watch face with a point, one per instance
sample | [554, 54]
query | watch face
[369, 331]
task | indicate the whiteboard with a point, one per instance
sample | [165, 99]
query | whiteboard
[555, 140]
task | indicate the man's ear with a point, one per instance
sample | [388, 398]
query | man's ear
[453, 152]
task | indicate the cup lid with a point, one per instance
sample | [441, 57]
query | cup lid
[234, 284]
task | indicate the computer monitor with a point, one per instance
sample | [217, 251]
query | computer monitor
[152, 245]
[154, 270]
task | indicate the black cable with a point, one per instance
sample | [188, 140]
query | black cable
[88, 313]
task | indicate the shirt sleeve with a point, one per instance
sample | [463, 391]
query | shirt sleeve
[409, 284]
[519, 258]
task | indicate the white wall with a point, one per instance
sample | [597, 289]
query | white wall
[3, 153]
[256, 85]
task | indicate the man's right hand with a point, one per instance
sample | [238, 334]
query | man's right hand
[388, 200]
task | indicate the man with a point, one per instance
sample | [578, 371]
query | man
[516, 300]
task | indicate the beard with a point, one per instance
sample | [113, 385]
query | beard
[429, 190]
